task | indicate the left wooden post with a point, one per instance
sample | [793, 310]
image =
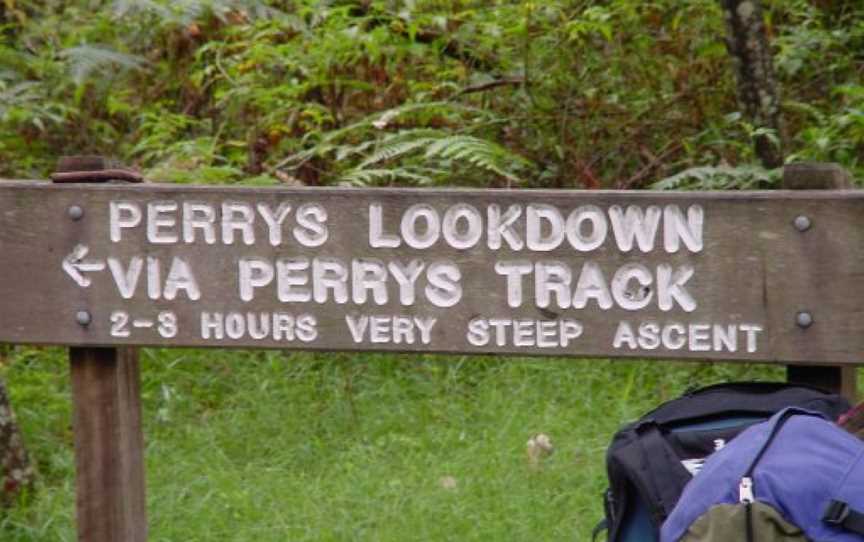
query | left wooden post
[106, 420]
[109, 445]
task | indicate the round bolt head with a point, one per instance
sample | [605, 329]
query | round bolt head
[802, 223]
[75, 212]
[83, 318]
[804, 319]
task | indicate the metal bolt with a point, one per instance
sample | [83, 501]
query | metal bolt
[804, 319]
[75, 212]
[83, 318]
[802, 223]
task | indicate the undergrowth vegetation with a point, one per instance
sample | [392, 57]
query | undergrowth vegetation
[423, 92]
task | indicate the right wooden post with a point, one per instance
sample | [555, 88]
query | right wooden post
[819, 176]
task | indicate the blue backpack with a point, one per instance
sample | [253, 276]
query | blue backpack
[651, 461]
[797, 476]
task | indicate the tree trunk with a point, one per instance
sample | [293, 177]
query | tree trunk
[757, 87]
[16, 471]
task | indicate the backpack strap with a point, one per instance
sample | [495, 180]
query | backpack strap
[664, 468]
[838, 514]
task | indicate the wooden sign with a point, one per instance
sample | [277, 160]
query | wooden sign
[769, 276]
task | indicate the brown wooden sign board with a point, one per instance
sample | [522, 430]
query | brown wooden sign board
[566, 273]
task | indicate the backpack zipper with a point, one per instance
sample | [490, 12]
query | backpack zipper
[746, 495]
[745, 490]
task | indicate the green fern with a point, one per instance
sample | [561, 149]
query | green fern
[746, 177]
[421, 155]
[397, 145]
[372, 177]
[435, 151]
[346, 151]
[379, 121]
[184, 12]
[479, 153]
[85, 60]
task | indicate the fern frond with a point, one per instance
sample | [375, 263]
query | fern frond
[17, 93]
[344, 151]
[371, 177]
[376, 121]
[84, 60]
[123, 8]
[479, 153]
[746, 177]
[399, 144]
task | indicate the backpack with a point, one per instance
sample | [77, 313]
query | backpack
[796, 477]
[651, 460]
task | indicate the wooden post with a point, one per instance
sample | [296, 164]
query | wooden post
[816, 176]
[109, 442]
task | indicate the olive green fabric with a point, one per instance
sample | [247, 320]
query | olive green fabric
[728, 523]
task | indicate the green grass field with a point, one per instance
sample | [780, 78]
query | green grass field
[268, 446]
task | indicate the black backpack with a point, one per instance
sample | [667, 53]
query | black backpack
[651, 460]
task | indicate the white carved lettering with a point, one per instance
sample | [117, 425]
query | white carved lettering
[199, 216]
[537, 239]
[635, 225]
[122, 215]
[377, 237]
[599, 228]
[416, 237]
[158, 218]
[474, 226]
[514, 271]
[501, 227]
[237, 216]
[676, 229]
[274, 220]
[311, 230]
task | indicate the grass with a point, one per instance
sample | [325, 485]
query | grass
[270, 446]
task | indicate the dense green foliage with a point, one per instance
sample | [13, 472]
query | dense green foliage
[618, 93]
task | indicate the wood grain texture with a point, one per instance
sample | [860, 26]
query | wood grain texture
[818, 176]
[755, 268]
[109, 445]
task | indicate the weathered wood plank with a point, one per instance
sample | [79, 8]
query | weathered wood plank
[109, 445]
[818, 176]
[743, 280]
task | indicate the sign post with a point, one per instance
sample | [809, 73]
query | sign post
[106, 421]
[109, 444]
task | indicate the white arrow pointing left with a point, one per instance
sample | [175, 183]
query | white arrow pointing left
[74, 264]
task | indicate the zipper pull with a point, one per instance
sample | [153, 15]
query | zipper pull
[745, 490]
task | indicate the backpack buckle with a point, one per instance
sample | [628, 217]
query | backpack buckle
[745, 491]
[836, 513]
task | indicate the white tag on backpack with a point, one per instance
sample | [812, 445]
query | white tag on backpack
[693, 466]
